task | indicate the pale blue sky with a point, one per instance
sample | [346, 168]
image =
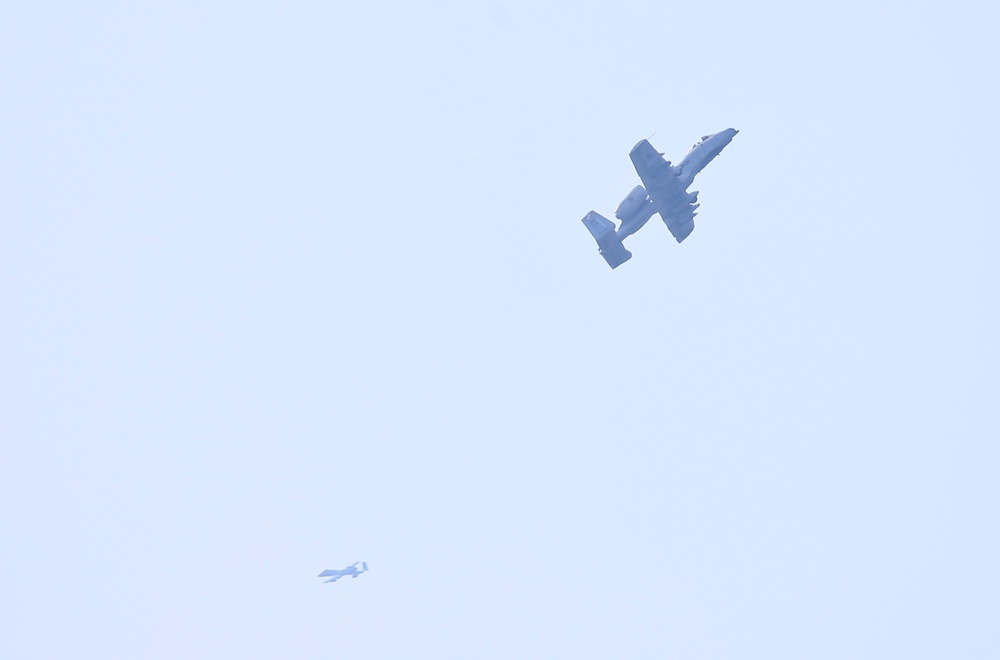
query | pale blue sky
[291, 285]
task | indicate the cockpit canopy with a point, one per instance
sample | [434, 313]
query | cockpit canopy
[703, 138]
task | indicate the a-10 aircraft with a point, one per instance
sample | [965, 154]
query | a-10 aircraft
[351, 570]
[665, 192]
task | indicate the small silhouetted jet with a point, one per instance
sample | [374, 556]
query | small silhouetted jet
[351, 570]
[665, 192]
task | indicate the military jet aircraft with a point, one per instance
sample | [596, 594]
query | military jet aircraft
[665, 192]
[351, 570]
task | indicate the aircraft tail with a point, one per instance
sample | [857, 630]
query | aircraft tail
[608, 243]
[364, 566]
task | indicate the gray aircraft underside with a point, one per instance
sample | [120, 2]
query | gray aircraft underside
[663, 190]
[351, 570]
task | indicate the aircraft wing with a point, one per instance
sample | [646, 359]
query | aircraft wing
[649, 165]
[679, 221]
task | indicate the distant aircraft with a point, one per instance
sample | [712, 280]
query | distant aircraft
[351, 570]
[665, 192]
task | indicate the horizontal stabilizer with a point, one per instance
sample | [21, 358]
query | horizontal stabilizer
[608, 243]
[598, 224]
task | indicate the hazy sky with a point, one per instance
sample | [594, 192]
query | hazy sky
[289, 285]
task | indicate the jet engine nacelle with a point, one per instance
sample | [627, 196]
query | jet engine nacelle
[693, 197]
[635, 200]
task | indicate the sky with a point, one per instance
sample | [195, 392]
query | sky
[286, 286]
